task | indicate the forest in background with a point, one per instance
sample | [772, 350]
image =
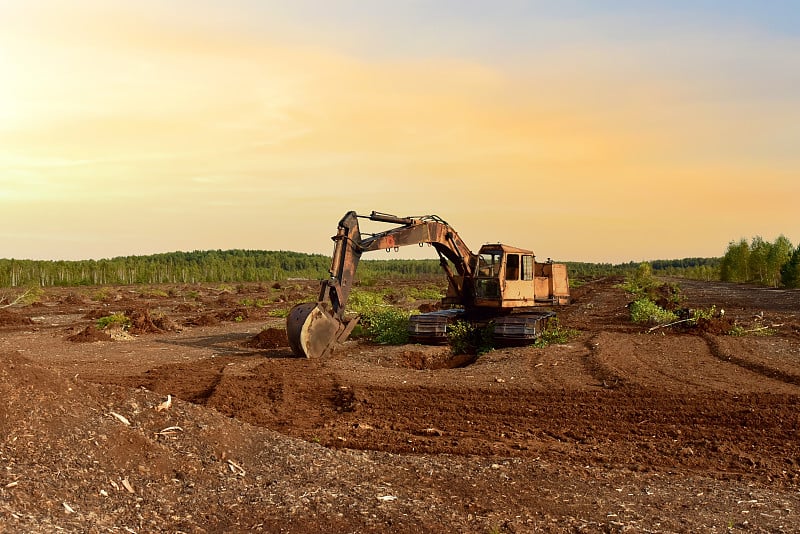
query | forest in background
[232, 266]
[774, 264]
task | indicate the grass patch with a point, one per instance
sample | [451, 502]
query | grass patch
[253, 303]
[739, 330]
[425, 293]
[388, 326]
[115, 319]
[645, 311]
[555, 334]
[364, 302]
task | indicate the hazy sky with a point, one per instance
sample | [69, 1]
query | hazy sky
[587, 131]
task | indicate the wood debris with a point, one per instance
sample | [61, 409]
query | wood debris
[169, 431]
[127, 485]
[236, 468]
[121, 418]
[165, 405]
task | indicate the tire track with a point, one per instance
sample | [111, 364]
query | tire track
[679, 363]
[604, 374]
[769, 372]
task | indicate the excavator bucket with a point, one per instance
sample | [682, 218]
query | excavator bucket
[312, 330]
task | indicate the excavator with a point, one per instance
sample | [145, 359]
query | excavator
[498, 287]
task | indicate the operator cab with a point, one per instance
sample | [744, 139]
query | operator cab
[509, 277]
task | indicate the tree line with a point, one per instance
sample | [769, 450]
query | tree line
[207, 266]
[696, 268]
[775, 264]
[234, 266]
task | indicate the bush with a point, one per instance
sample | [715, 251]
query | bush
[465, 338]
[115, 319]
[427, 293]
[646, 311]
[641, 281]
[555, 334]
[387, 326]
[701, 314]
[738, 330]
[253, 303]
[364, 302]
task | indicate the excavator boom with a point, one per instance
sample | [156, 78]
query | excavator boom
[314, 329]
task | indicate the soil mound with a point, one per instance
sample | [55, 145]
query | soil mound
[202, 320]
[72, 298]
[237, 314]
[8, 318]
[142, 322]
[269, 338]
[166, 324]
[89, 335]
[715, 325]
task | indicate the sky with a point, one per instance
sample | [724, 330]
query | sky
[598, 131]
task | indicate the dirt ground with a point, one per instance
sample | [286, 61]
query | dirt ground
[197, 419]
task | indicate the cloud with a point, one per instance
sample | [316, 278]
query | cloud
[139, 107]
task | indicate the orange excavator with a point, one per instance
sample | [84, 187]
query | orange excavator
[498, 286]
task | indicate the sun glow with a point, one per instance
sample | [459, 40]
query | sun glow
[222, 128]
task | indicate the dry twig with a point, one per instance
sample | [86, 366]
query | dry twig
[668, 324]
[17, 300]
[165, 405]
[236, 468]
[127, 485]
[169, 431]
[121, 418]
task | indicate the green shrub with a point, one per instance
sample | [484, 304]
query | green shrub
[641, 281]
[646, 311]
[115, 319]
[278, 312]
[738, 330]
[427, 293]
[101, 295]
[459, 336]
[386, 325]
[703, 314]
[253, 303]
[365, 302]
[555, 334]
[465, 338]
[367, 279]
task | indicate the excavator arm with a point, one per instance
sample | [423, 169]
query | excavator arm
[314, 329]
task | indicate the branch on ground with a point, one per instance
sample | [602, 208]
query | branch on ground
[17, 300]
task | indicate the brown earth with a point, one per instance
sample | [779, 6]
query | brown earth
[621, 429]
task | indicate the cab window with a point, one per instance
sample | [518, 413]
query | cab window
[527, 267]
[512, 267]
[489, 264]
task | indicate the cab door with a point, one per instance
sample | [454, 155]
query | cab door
[518, 282]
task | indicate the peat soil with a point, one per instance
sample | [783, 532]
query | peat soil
[196, 418]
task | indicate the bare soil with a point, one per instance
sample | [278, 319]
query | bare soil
[198, 419]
